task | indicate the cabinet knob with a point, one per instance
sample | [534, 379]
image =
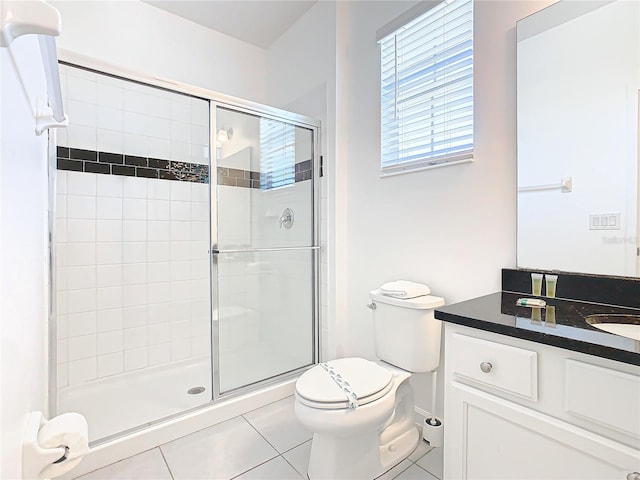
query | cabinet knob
[486, 368]
[633, 476]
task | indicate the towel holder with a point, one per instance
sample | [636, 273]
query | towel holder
[565, 186]
[37, 17]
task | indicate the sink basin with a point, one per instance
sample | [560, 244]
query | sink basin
[618, 324]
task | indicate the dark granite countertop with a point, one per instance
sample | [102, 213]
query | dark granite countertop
[561, 324]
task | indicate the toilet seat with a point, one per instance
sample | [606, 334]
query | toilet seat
[369, 381]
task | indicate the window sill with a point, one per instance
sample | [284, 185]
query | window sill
[417, 168]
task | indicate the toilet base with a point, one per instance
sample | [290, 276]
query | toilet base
[365, 442]
[359, 457]
[399, 449]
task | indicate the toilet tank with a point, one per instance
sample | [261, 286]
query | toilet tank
[406, 332]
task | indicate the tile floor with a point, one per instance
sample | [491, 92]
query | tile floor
[267, 443]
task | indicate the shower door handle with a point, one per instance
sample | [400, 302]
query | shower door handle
[215, 251]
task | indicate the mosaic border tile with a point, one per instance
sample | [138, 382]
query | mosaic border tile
[108, 163]
[235, 177]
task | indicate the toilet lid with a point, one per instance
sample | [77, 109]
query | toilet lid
[368, 380]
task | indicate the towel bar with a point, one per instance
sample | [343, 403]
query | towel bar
[565, 186]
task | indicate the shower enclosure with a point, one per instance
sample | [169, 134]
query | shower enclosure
[185, 250]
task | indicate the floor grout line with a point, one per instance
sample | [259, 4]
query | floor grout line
[166, 462]
[303, 475]
[116, 462]
[296, 446]
[292, 466]
[254, 467]
[273, 446]
[404, 469]
[421, 456]
[259, 433]
[425, 470]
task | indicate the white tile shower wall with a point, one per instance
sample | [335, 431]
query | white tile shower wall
[234, 232]
[109, 114]
[268, 206]
[132, 254]
[284, 280]
[260, 295]
[234, 217]
[133, 293]
[287, 325]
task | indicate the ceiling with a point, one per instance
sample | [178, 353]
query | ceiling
[259, 22]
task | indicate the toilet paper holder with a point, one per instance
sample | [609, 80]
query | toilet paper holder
[36, 460]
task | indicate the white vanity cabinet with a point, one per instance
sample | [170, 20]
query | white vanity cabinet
[516, 409]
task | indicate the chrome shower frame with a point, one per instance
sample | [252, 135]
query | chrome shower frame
[215, 99]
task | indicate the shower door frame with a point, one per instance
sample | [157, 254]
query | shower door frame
[214, 99]
[272, 113]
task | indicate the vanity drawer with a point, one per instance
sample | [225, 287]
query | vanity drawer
[509, 369]
[589, 393]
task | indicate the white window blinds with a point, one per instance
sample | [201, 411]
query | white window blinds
[427, 90]
[277, 154]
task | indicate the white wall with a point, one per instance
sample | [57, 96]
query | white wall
[453, 227]
[23, 252]
[578, 118]
[142, 38]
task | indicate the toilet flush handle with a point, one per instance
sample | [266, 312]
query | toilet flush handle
[372, 306]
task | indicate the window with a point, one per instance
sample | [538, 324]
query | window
[277, 154]
[427, 89]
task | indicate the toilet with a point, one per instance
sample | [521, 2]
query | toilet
[361, 412]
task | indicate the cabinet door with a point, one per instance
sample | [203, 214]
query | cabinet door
[491, 438]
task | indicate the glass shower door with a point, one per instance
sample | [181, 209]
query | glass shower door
[264, 258]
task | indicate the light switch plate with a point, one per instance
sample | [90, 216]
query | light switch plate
[604, 221]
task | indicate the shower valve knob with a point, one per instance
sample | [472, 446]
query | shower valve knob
[286, 219]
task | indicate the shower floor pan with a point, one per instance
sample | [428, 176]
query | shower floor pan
[114, 404]
[119, 403]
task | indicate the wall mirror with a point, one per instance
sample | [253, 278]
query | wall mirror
[578, 70]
